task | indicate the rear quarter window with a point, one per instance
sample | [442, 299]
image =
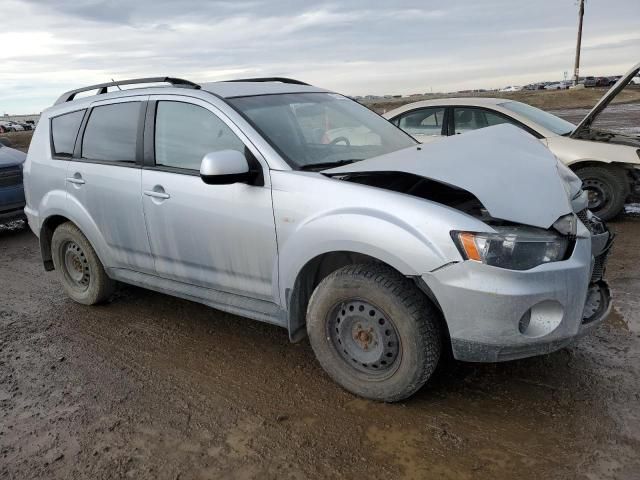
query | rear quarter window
[64, 130]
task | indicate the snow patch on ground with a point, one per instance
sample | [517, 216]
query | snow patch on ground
[632, 209]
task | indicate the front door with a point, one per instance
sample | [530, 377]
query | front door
[216, 236]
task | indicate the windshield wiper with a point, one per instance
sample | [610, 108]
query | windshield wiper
[326, 165]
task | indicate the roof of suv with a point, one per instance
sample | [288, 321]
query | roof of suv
[245, 89]
[225, 89]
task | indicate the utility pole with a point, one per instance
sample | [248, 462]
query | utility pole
[576, 68]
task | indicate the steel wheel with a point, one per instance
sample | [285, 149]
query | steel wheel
[599, 192]
[76, 266]
[365, 337]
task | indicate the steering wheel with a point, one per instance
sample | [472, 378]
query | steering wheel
[340, 139]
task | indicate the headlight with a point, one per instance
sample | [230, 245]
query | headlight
[515, 248]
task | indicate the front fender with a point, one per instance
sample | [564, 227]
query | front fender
[365, 231]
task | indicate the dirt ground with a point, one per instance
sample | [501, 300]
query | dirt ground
[19, 140]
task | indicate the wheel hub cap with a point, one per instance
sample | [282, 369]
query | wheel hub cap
[364, 336]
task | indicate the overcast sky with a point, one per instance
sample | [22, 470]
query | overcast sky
[355, 47]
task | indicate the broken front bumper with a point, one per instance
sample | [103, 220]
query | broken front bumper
[495, 314]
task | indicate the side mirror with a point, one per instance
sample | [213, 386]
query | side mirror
[224, 167]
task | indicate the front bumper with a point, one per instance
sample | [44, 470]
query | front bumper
[495, 314]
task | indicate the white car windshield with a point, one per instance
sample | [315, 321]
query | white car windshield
[314, 131]
[542, 118]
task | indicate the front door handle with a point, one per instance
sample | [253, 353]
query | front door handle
[157, 193]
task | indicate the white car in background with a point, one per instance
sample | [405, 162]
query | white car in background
[558, 86]
[511, 88]
[608, 163]
[636, 80]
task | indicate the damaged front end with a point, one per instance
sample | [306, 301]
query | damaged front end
[533, 281]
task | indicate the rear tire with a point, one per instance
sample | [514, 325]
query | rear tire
[608, 188]
[79, 268]
[374, 332]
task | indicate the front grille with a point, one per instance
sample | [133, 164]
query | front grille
[10, 176]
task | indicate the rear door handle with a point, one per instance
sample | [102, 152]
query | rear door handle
[76, 180]
[155, 194]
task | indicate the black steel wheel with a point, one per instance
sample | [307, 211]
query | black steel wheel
[607, 189]
[79, 268]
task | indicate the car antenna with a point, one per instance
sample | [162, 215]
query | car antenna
[116, 84]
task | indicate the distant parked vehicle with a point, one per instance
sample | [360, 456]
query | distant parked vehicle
[511, 88]
[6, 127]
[12, 200]
[636, 80]
[558, 86]
[608, 163]
[16, 127]
[589, 81]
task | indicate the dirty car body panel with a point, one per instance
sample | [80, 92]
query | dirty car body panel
[246, 247]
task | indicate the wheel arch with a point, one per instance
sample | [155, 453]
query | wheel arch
[46, 234]
[319, 267]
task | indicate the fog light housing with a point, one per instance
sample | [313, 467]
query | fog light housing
[541, 319]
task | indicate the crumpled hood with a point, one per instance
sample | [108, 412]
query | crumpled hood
[513, 175]
[10, 157]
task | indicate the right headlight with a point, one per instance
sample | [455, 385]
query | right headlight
[514, 248]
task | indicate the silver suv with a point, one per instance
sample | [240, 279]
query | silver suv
[289, 204]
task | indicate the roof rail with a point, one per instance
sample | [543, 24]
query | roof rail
[102, 87]
[270, 79]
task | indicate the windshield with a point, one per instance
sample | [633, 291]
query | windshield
[319, 130]
[542, 118]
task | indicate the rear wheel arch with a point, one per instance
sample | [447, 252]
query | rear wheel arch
[46, 234]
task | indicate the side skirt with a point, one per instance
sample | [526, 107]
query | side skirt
[227, 302]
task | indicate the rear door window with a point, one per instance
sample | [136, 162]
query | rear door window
[111, 133]
[64, 130]
[467, 118]
[426, 121]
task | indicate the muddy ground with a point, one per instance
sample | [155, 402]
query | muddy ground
[150, 386]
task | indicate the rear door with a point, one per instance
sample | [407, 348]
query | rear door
[105, 178]
[216, 236]
[466, 119]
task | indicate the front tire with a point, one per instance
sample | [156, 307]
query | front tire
[374, 332]
[79, 268]
[607, 188]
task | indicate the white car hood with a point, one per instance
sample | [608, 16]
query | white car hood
[513, 174]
